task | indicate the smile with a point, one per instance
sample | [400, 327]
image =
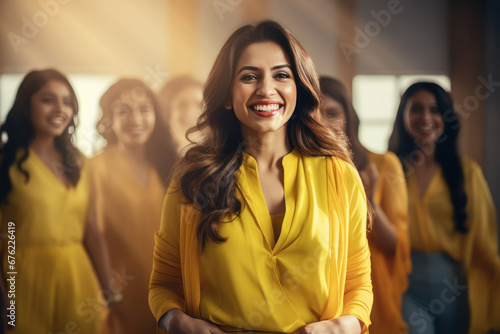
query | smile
[57, 120]
[135, 131]
[266, 108]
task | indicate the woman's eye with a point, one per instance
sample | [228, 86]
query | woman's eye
[435, 110]
[248, 77]
[282, 75]
[47, 100]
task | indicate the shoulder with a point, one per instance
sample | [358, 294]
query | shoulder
[385, 161]
[342, 170]
[469, 166]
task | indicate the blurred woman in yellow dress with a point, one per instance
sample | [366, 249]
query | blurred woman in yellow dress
[385, 188]
[454, 286]
[44, 194]
[264, 225]
[180, 103]
[129, 178]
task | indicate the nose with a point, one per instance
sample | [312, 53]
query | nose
[427, 115]
[136, 116]
[266, 87]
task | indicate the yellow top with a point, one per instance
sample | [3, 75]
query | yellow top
[318, 269]
[128, 214]
[432, 230]
[390, 274]
[55, 284]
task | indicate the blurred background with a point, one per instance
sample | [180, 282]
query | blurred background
[376, 47]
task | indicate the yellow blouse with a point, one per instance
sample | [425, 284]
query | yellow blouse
[318, 269]
[390, 274]
[55, 281]
[432, 230]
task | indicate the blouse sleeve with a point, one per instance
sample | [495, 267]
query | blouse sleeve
[358, 295]
[394, 203]
[165, 286]
[482, 251]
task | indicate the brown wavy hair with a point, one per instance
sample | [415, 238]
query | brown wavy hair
[207, 174]
[160, 149]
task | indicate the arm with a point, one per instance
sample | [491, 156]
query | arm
[166, 290]
[383, 234]
[358, 295]
[97, 249]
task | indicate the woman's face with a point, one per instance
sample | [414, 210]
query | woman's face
[334, 111]
[51, 109]
[185, 108]
[133, 117]
[263, 93]
[422, 118]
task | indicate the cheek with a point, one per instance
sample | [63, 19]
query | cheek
[150, 119]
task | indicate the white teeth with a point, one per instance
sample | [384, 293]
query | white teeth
[57, 120]
[266, 107]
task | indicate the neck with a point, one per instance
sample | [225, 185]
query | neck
[267, 148]
[43, 145]
[428, 152]
[136, 152]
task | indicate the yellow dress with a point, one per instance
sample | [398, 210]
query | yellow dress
[318, 269]
[432, 230]
[390, 275]
[128, 214]
[56, 288]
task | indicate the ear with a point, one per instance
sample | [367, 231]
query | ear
[228, 105]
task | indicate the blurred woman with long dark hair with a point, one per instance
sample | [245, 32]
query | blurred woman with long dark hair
[455, 283]
[264, 225]
[385, 188]
[45, 195]
[129, 178]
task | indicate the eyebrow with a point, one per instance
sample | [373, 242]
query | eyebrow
[253, 68]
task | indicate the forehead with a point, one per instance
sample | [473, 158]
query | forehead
[422, 96]
[263, 54]
[55, 87]
[133, 96]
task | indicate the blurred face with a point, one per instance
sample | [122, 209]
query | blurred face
[334, 111]
[422, 118]
[133, 118]
[51, 109]
[185, 110]
[263, 94]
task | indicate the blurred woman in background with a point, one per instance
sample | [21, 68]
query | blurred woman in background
[44, 194]
[455, 282]
[385, 188]
[180, 102]
[129, 178]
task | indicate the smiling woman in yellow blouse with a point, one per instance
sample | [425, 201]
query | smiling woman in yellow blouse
[45, 192]
[264, 225]
[128, 179]
[455, 282]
